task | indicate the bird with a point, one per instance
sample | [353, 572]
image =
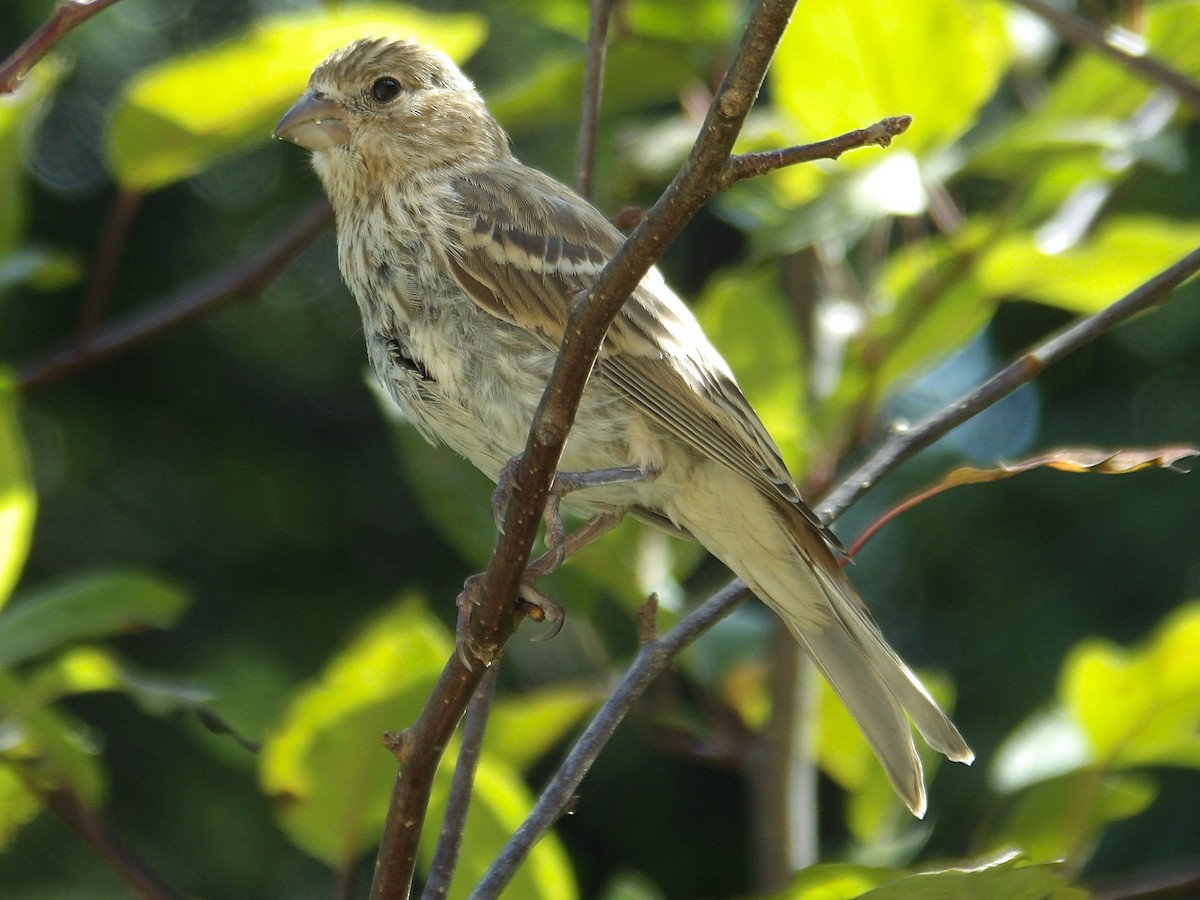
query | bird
[464, 263]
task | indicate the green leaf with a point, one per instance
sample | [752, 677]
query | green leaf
[499, 803]
[742, 312]
[47, 749]
[1061, 817]
[520, 730]
[42, 268]
[378, 683]
[18, 805]
[17, 111]
[1139, 706]
[1123, 253]
[177, 118]
[1007, 878]
[83, 608]
[18, 502]
[843, 65]
[1049, 743]
[637, 74]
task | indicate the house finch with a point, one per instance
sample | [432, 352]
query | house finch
[464, 262]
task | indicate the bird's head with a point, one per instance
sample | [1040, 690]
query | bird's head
[392, 109]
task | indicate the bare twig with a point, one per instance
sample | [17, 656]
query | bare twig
[593, 91]
[554, 800]
[1077, 30]
[244, 280]
[67, 15]
[497, 616]
[1180, 881]
[104, 264]
[133, 871]
[905, 441]
[750, 165]
[445, 857]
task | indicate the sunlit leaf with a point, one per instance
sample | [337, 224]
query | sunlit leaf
[1050, 743]
[175, 119]
[1089, 276]
[843, 65]
[742, 311]
[521, 729]
[18, 805]
[702, 20]
[18, 502]
[45, 748]
[499, 803]
[83, 608]
[836, 881]
[1007, 878]
[378, 683]
[1141, 705]
[1060, 817]
[17, 110]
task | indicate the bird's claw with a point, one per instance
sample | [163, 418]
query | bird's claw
[543, 608]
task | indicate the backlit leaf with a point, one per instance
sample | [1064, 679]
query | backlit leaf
[18, 502]
[175, 119]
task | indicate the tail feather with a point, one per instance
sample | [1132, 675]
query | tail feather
[791, 569]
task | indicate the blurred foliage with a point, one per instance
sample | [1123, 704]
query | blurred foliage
[227, 515]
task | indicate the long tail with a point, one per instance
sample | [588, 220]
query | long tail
[791, 569]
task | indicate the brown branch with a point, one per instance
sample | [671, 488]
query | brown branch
[113, 235]
[751, 165]
[245, 280]
[905, 441]
[1179, 881]
[560, 792]
[67, 15]
[1077, 30]
[593, 91]
[445, 857]
[496, 616]
[133, 871]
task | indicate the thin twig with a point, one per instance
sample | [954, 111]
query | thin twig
[91, 829]
[593, 92]
[554, 800]
[1077, 30]
[751, 165]
[244, 280]
[1180, 881]
[104, 264]
[67, 15]
[905, 441]
[445, 856]
[496, 616]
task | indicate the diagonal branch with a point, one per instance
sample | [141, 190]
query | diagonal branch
[67, 15]
[593, 91]
[1077, 30]
[656, 656]
[244, 280]
[905, 441]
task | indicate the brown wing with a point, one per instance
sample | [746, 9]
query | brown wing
[529, 246]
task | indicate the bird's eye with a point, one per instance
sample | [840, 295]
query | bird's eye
[386, 89]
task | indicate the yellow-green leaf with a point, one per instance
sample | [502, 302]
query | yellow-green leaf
[523, 728]
[1090, 275]
[844, 64]
[324, 764]
[18, 501]
[1141, 705]
[1060, 817]
[499, 803]
[177, 118]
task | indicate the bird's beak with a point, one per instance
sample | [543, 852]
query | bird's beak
[314, 122]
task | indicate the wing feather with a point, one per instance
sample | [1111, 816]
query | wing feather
[528, 246]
